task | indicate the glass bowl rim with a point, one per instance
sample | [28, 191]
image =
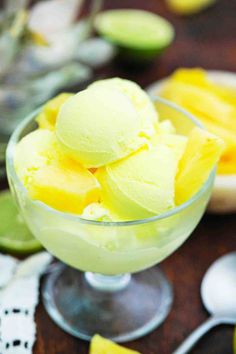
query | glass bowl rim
[11, 172]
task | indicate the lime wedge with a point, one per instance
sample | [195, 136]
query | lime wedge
[14, 235]
[136, 32]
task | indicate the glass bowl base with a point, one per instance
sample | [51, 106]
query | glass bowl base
[127, 313]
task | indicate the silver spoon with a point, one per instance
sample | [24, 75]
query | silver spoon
[218, 292]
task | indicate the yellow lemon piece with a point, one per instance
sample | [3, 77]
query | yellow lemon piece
[202, 152]
[100, 345]
[188, 7]
[50, 176]
[64, 188]
[47, 117]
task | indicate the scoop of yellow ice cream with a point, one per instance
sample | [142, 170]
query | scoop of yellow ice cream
[174, 141]
[51, 177]
[47, 117]
[98, 126]
[141, 185]
[141, 101]
[34, 151]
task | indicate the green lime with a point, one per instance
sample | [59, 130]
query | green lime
[137, 33]
[14, 235]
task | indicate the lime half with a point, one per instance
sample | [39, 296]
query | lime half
[14, 235]
[139, 32]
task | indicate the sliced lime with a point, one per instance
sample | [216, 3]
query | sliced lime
[135, 31]
[14, 235]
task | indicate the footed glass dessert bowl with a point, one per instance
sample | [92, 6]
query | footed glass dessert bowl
[93, 290]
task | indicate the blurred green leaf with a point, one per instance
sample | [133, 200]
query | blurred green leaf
[19, 24]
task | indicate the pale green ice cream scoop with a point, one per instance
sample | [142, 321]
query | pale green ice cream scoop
[141, 185]
[98, 126]
[139, 98]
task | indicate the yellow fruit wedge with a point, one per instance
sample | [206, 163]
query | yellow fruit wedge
[202, 152]
[198, 77]
[66, 188]
[100, 345]
[47, 117]
[203, 101]
[188, 7]
[227, 163]
[195, 76]
[213, 104]
[52, 177]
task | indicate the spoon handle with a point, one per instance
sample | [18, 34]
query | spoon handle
[194, 337]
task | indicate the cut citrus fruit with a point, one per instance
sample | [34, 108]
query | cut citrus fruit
[14, 235]
[140, 34]
[202, 152]
[100, 345]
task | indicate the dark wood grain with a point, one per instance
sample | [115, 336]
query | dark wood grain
[207, 40]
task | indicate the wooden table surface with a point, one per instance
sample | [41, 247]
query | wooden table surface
[207, 40]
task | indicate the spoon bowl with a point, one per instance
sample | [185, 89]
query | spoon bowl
[218, 292]
[218, 289]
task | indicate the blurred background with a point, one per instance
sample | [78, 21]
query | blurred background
[52, 46]
[49, 46]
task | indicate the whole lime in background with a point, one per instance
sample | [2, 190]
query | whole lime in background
[139, 35]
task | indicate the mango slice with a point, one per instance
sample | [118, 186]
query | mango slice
[47, 117]
[100, 345]
[202, 152]
[214, 105]
[64, 188]
[51, 177]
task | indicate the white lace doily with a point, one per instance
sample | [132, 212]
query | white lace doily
[19, 294]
